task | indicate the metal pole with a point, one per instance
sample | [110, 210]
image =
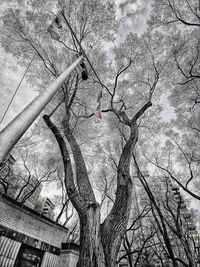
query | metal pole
[11, 134]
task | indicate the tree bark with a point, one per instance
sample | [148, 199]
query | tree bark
[91, 249]
[99, 243]
[114, 226]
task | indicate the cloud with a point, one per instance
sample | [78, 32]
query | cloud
[133, 15]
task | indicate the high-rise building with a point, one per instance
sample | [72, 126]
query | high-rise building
[47, 207]
[178, 219]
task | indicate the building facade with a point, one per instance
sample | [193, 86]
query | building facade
[29, 239]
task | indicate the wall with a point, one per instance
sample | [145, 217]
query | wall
[8, 251]
[68, 258]
[31, 224]
[21, 225]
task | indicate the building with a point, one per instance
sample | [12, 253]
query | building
[27, 238]
[180, 224]
[47, 207]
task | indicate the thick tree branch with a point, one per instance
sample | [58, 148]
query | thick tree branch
[83, 182]
[141, 111]
[116, 80]
[173, 178]
[178, 16]
[117, 219]
[72, 192]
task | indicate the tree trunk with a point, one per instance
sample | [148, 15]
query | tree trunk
[99, 244]
[91, 252]
[114, 226]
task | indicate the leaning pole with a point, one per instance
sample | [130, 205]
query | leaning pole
[11, 134]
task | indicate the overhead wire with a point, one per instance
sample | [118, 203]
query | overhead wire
[98, 109]
[82, 50]
[20, 82]
[29, 65]
[16, 90]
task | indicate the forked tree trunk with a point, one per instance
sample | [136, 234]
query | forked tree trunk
[99, 243]
[93, 251]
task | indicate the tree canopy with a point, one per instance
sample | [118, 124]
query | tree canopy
[102, 130]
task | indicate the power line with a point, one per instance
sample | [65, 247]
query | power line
[17, 89]
[98, 111]
[82, 50]
[15, 92]
[28, 67]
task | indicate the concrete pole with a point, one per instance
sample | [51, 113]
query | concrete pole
[11, 134]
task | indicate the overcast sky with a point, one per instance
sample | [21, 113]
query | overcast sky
[134, 14]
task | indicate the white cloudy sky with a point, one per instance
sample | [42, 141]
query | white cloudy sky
[134, 14]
